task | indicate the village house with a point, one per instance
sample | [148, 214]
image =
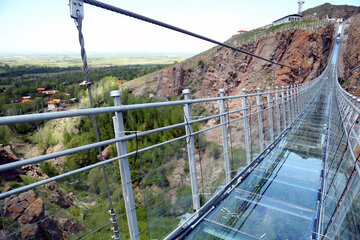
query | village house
[54, 103]
[50, 92]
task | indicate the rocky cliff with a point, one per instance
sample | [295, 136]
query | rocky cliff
[219, 67]
[333, 11]
[352, 56]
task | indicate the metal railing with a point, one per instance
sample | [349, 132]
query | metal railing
[342, 189]
[248, 124]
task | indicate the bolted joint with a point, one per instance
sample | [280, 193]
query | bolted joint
[115, 93]
[186, 91]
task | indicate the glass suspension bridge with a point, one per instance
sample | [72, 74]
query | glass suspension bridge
[279, 163]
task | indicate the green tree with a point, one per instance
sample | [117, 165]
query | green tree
[5, 134]
[95, 179]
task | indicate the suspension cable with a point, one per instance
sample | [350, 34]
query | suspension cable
[177, 29]
[88, 84]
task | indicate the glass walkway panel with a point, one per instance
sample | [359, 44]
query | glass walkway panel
[277, 200]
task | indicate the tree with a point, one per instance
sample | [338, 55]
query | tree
[94, 179]
[5, 134]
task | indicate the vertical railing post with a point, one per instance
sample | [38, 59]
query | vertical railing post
[277, 101]
[301, 97]
[288, 104]
[225, 136]
[274, 74]
[126, 183]
[271, 120]
[355, 117]
[191, 152]
[358, 124]
[259, 109]
[292, 99]
[297, 99]
[283, 107]
[246, 128]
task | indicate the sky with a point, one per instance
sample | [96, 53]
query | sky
[45, 26]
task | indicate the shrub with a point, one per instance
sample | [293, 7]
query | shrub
[49, 169]
[201, 63]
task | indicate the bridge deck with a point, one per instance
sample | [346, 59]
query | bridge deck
[277, 200]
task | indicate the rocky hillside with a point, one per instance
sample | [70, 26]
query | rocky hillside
[352, 55]
[27, 210]
[219, 67]
[333, 11]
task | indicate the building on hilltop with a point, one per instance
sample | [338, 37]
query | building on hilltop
[242, 31]
[288, 18]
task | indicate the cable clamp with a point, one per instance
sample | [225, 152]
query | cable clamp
[113, 220]
[115, 231]
[112, 212]
[84, 83]
[76, 6]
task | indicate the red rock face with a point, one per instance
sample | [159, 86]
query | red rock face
[8, 157]
[218, 67]
[29, 212]
[306, 50]
[352, 56]
[34, 211]
[15, 206]
[28, 196]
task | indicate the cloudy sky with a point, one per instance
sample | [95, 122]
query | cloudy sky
[45, 26]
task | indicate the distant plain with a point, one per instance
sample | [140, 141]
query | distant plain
[94, 60]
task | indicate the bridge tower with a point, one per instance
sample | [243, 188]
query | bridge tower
[300, 3]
